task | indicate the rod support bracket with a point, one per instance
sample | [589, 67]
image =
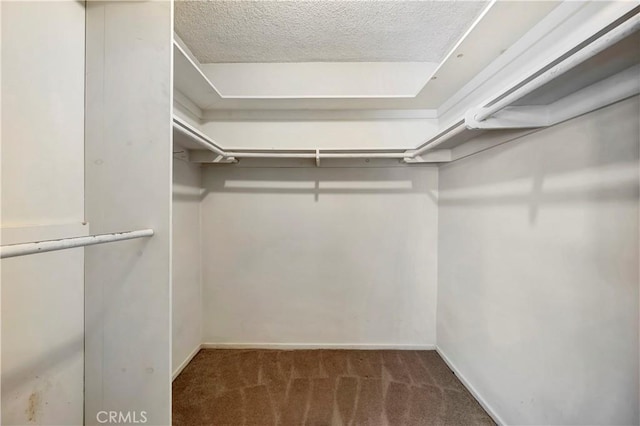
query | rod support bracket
[415, 160]
[225, 160]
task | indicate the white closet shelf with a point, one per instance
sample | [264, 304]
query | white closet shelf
[481, 44]
[192, 83]
[513, 118]
[22, 249]
[189, 80]
[569, 84]
[195, 138]
[555, 92]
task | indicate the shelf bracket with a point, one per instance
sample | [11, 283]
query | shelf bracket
[520, 117]
[435, 156]
[182, 154]
[201, 156]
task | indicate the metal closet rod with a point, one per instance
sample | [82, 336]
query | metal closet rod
[209, 144]
[22, 249]
[561, 65]
[556, 68]
[319, 154]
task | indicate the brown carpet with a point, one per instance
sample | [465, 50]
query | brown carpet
[321, 387]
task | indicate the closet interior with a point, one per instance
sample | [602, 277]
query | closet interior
[384, 213]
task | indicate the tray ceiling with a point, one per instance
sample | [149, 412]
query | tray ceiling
[323, 31]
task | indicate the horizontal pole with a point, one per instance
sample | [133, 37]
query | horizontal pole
[553, 71]
[251, 154]
[451, 132]
[601, 94]
[204, 142]
[22, 249]
[544, 76]
[363, 155]
[613, 89]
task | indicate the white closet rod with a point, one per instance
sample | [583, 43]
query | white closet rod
[556, 69]
[453, 131]
[553, 70]
[205, 142]
[252, 154]
[22, 249]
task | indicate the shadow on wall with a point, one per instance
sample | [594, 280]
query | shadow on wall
[47, 364]
[316, 181]
[538, 271]
[586, 159]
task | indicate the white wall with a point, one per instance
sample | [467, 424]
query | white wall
[319, 79]
[186, 294]
[319, 134]
[538, 271]
[320, 256]
[128, 186]
[42, 198]
[42, 113]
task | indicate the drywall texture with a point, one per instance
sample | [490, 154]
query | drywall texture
[128, 181]
[538, 271]
[340, 31]
[186, 297]
[326, 256]
[321, 134]
[43, 330]
[42, 113]
[42, 198]
[320, 79]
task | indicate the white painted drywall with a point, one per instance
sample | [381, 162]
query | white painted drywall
[186, 294]
[128, 186]
[186, 110]
[42, 187]
[319, 134]
[319, 256]
[42, 113]
[43, 330]
[538, 271]
[320, 79]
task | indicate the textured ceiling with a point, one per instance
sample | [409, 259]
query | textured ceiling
[323, 31]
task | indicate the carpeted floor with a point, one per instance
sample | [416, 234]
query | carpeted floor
[321, 387]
